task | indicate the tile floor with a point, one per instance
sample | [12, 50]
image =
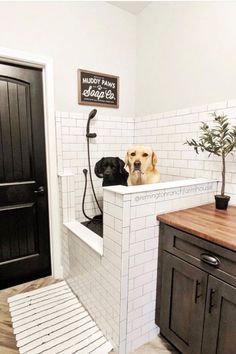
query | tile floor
[157, 346]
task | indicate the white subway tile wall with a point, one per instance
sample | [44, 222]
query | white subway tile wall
[119, 288]
[67, 196]
[101, 283]
[143, 251]
[114, 136]
[166, 133]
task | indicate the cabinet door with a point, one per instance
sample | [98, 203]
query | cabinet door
[220, 319]
[183, 296]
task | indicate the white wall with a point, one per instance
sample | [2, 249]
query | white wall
[89, 35]
[185, 55]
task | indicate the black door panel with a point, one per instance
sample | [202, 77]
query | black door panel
[24, 230]
[220, 319]
[182, 303]
[19, 234]
[16, 132]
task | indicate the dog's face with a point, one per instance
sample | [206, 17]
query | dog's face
[108, 167]
[112, 170]
[140, 159]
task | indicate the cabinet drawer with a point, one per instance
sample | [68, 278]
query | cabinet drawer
[197, 251]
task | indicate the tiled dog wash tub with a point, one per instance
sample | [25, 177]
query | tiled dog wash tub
[115, 277]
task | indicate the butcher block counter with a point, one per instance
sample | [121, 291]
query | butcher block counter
[196, 280]
[218, 226]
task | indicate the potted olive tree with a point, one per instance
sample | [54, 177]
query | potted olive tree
[219, 141]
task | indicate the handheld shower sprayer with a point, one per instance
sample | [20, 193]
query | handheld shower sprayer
[89, 135]
[85, 172]
[92, 114]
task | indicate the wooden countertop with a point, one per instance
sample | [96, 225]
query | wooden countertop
[218, 226]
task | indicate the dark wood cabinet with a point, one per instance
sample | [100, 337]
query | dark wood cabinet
[196, 293]
[220, 318]
[183, 303]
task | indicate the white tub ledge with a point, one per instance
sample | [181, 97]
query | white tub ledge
[87, 236]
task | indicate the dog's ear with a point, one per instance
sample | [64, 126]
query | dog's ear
[121, 165]
[127, 159]
[98, 169]
[154, 159]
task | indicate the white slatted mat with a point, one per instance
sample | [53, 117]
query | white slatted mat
[51, 320]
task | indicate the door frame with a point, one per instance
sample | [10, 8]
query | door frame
[46, 64]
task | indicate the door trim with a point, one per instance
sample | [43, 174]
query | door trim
[46, 64]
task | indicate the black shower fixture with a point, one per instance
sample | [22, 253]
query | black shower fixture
[95, 222]
[92, 114]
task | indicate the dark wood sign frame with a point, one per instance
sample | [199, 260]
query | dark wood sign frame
[101, 87]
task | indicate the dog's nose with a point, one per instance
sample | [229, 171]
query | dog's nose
[137, 163]
[107, 171]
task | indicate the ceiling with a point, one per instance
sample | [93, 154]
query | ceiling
[134, 7]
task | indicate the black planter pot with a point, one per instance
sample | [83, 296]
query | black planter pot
[222, 201]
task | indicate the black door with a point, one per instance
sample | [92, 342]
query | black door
[182, 304]
[24, 228]
[220, 319]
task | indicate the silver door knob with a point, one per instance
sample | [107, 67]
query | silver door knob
[39, 191]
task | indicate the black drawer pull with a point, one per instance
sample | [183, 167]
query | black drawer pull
[197, 295]
[210, 259]
[211, 304]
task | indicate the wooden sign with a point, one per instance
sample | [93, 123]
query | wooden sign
[97, 89]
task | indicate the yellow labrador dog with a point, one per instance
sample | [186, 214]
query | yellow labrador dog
[141, 161]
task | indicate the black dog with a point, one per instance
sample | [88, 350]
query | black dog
[112, 170]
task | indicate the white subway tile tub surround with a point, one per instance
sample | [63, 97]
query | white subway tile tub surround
[67, 196]
[99, 282]
[140, 235]
[118, 289]
[89, 237]
[114, 136]
[168, 131]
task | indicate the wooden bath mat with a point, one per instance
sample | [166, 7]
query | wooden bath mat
[51, 320]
